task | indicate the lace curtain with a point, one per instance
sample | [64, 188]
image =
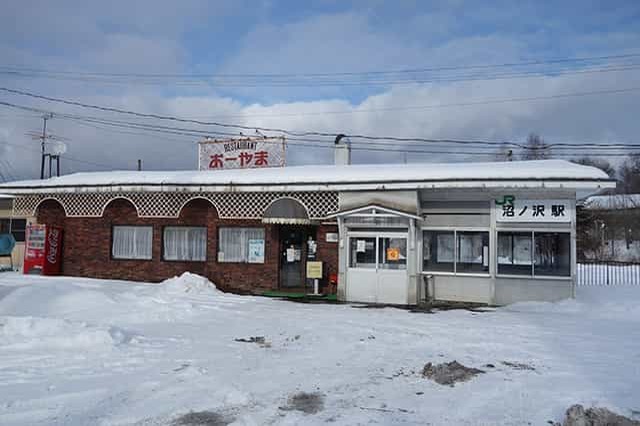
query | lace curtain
[132, 242]
[185, 243]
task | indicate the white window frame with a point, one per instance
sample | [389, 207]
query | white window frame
[377, 237]
[455, 251]
[186, 228]
[533, 275]
[113, 231]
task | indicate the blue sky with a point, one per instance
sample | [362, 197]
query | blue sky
[275, 37]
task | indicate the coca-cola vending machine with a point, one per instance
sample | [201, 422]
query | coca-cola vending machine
[43, 251]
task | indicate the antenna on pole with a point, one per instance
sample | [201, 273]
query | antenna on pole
[56, 147]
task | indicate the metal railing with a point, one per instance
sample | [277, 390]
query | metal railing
[607, 273]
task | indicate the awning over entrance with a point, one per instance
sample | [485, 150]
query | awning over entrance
[286, 211]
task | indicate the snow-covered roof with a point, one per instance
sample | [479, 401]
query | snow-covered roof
[612, 202]
[316, 177]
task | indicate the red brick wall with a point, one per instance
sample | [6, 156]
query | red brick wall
[327, 252]
[87, 247]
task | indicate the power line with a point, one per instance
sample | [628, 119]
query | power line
[244, 127]
[381, 139]
[372, 146]
[342, 83]
[361, 146]
[202, 133]
[330, 74]
[433, 106]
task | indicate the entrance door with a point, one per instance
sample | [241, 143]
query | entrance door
[292, 256]
[377, 271]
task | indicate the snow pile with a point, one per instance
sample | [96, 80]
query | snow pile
[78, 351]
[191, 284]
[57, 299]
[79, 300]
[20, 333]
[597, 302]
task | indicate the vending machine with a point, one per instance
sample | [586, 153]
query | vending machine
[43, 250]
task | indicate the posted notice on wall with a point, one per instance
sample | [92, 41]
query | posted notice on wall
[331, 237]
[256, 251]
[511, 209]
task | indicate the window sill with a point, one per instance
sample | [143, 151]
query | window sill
[118, 259]
[457, 274]
[537, 277]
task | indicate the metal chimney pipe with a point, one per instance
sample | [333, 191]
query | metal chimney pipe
[342, 151]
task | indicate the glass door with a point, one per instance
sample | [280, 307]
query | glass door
[377, 269]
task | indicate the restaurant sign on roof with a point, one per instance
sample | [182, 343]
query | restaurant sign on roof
[241, 153]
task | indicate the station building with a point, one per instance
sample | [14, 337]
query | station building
[491, 233]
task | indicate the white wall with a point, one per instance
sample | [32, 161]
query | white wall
[517, 290]
[406, 201]
[463, 288]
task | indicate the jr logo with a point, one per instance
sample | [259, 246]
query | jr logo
[507, 200]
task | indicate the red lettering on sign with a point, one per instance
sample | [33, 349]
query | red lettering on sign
[245, 158]
[216, 161]
[261, 158]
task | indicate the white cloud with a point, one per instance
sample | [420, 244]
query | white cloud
[339, 42]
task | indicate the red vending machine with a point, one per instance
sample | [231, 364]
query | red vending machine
[43, 251]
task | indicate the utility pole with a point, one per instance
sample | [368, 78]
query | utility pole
[44, 138]
[55, 149]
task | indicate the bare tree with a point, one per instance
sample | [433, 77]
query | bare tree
[535, 148]
[600, 163]
[629, 175]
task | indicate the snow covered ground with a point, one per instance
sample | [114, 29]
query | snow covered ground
[76, 351]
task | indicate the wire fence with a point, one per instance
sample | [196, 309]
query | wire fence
[602, 273]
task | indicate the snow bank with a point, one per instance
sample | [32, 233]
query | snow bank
[55, 298]
[611, 302]
[51, 333]
[191, 284]
[146, 353]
